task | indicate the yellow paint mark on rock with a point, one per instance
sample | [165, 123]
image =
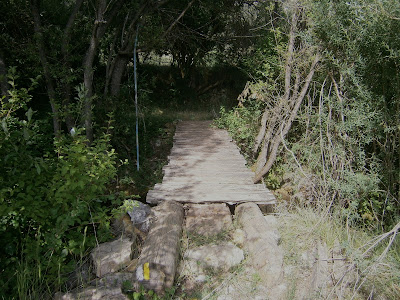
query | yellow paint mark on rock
[146, 271]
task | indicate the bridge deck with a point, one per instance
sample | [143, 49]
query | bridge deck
[205, 166]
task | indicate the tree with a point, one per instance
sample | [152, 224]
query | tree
[298, 74]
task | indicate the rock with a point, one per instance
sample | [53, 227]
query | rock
[272, 224]
[131, 267]
[265, 256]
[123, 226]
[208, 219]
[220, 257]
[93, 293]
[111, 256]
[239, 237]
[224, 297]
[140, 214]
[112, 280]
[321, 275]
[190, 268]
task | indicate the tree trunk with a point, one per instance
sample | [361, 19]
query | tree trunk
[65, 53]
[278, 136]
[46, 69]
[126, 52]
[270, 118]
[3, 78]
[99, 28]
[159, 258]
[117, 74]
[122, 59]
[88, 84]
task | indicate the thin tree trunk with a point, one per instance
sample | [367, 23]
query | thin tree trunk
[289, 60]
[121, 60]
[65, 53]
[109, 66]
[88, 83]
[261, 132]
[100, 25]
[126, 52]
[288, 124]
[117, 74]
[266, 131]
[3, 79]
[46, 69]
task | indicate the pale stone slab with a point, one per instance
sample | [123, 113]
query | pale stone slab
[220, 257]
[111, 256]
[208, 219]
[261, 243]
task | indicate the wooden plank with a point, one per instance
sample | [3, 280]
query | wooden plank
[211, 156]
[207, 180]
[213, 164]
[160, 251]
[210, 196]
[205, 166]
[204, 173]
[222, 187]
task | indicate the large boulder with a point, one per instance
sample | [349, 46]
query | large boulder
[220, 257]
[208, 219]
[265, 256]
[111, 256]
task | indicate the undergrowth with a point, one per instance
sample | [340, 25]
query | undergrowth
[376, 272]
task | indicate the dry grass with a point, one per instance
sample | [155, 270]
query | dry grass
[371, 264]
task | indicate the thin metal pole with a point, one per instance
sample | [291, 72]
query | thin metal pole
[136, 99]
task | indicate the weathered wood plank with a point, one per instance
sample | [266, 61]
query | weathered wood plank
[155, 197]
[240, 180]
[221, 187]
[170, 171]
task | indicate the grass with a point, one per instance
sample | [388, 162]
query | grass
[302, 228]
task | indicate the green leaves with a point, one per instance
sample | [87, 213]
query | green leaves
[55, 192]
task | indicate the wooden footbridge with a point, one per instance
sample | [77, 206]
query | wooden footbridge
[205, 166]
[205, 172]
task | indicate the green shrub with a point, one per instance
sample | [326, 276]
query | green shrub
[52, 203]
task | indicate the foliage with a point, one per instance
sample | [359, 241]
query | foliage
[363, 56]
[345, 137]
[143, 294]
[51, 197]
[240, 122]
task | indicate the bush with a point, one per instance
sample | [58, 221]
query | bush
[51, 202]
